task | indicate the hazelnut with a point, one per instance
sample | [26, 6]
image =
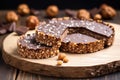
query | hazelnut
[32, 22]
[59, 62]
[97, 17]
[83, 14]
[23, 9]
[107, 11]
[52, 11]
[11, 16]
[65, 60]
[61, 56]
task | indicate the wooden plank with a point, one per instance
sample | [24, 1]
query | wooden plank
[36, 77]
[7, 73]
[24, 76]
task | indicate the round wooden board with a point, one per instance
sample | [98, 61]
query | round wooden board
[79, 65]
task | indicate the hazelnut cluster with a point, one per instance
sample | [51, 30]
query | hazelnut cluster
[62, 58]
[105, 11]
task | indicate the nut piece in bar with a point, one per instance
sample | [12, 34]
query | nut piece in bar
[52, 11]
[23, 9]
[11, 16]
[32, 22]
[83, 14]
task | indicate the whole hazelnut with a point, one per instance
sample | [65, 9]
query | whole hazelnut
[83, 14]
[65, 60]
[52, 11]
[59, 62]
[23, 9]
[107, 11]
[32, 22]
[11, 16]
[61, 56]
[97, 17]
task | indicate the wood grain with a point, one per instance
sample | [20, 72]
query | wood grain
[7, 73]
[79, 66]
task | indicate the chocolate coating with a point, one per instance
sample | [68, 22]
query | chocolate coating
[78, 38]
[30, 42]
[57, 27]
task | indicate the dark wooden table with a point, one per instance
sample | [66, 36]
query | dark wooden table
[10, 73]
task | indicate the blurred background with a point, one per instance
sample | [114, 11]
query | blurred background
[62, 4]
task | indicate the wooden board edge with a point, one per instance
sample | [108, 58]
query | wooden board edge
[62, 72]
